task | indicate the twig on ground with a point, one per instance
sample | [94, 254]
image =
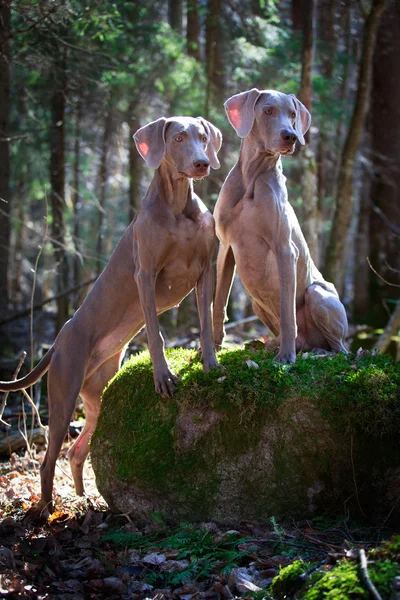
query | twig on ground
[365, 576]
[312, 540]
[3, 404]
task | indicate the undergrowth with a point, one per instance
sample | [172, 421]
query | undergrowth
[203, 552]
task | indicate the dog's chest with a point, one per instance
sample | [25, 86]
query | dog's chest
[186, 259]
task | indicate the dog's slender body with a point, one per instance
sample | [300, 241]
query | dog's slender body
[260, 234]
[165, 252]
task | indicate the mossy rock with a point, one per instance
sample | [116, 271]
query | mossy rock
[246, 443]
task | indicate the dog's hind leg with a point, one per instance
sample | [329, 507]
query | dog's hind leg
[326, 313]
[91, 395]
[65, 379]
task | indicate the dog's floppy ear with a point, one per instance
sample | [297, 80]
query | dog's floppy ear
[240, 111]
[150, 142]
[303, 119]
[215, 143]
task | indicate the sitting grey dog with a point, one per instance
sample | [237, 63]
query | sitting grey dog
[166, 251]
[259, 232]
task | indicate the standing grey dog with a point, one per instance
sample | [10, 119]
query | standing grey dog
[166, 251]
[259, 232]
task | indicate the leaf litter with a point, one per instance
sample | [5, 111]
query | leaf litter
[84, 551]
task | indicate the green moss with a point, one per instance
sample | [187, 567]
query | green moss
[341, 582]
[289, 579]
[359, 395]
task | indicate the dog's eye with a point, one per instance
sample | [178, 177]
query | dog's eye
[179, 138]
[293, 115]
[204, 139]
[268, 111]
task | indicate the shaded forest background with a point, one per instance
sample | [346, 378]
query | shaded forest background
[77, 79]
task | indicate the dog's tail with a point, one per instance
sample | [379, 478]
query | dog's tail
[30, 378]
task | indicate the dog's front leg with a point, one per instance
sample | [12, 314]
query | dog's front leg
[204, 292]
[164, 380]
[287, 269]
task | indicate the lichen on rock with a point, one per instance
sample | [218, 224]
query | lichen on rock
[248, 443]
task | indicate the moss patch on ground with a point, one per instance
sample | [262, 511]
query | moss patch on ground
[354, 394]
[342, 581]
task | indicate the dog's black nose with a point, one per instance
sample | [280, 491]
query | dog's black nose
[201, 165]
[288, 136]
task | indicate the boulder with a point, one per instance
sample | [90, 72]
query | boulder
[249, 442]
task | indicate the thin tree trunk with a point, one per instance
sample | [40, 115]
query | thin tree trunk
[344, 198]
[57, 180]
[135, 168]
[192, 29]
[175, 15]
[76, 202]
[297, 15]
[311, 225]
[213, 15]
[5, 198]
[103, 177]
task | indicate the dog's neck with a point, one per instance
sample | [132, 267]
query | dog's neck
[174, 191]
[253, 160]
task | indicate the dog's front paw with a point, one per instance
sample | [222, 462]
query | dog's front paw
[165, 383]
[210, 363]
[285, 358]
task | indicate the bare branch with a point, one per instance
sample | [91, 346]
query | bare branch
[380, 276]
[3, 404]
[373, 592]
[18, 31]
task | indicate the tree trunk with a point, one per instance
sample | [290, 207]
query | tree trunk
[135, 168]
[344, 197]
[192, 29]
[297, 15]
[57, 181]
[213, 52]
[5, 199]
[175, 15]
[311, 225]
[384, 201]
[76, 203]
[103, 177]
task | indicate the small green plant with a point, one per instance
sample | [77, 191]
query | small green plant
[277, 529]
[203, 552]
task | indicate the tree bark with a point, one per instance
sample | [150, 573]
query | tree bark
[175, 15]
[311, 225]
[192, 29]
[384, 200]
[297, 15]
[336, 254]
[103, 177]
[135, 168]
[213, 53]
[57, 181]
[5, 198]
[76, 202]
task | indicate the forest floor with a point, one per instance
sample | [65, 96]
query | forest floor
[83, 551]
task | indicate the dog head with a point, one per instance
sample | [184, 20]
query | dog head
[189, 146]
[275, 119]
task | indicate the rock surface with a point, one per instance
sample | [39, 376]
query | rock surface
[249, 443]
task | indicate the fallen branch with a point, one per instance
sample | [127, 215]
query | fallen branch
[27, 311]
[365, 576]
[14, 440]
